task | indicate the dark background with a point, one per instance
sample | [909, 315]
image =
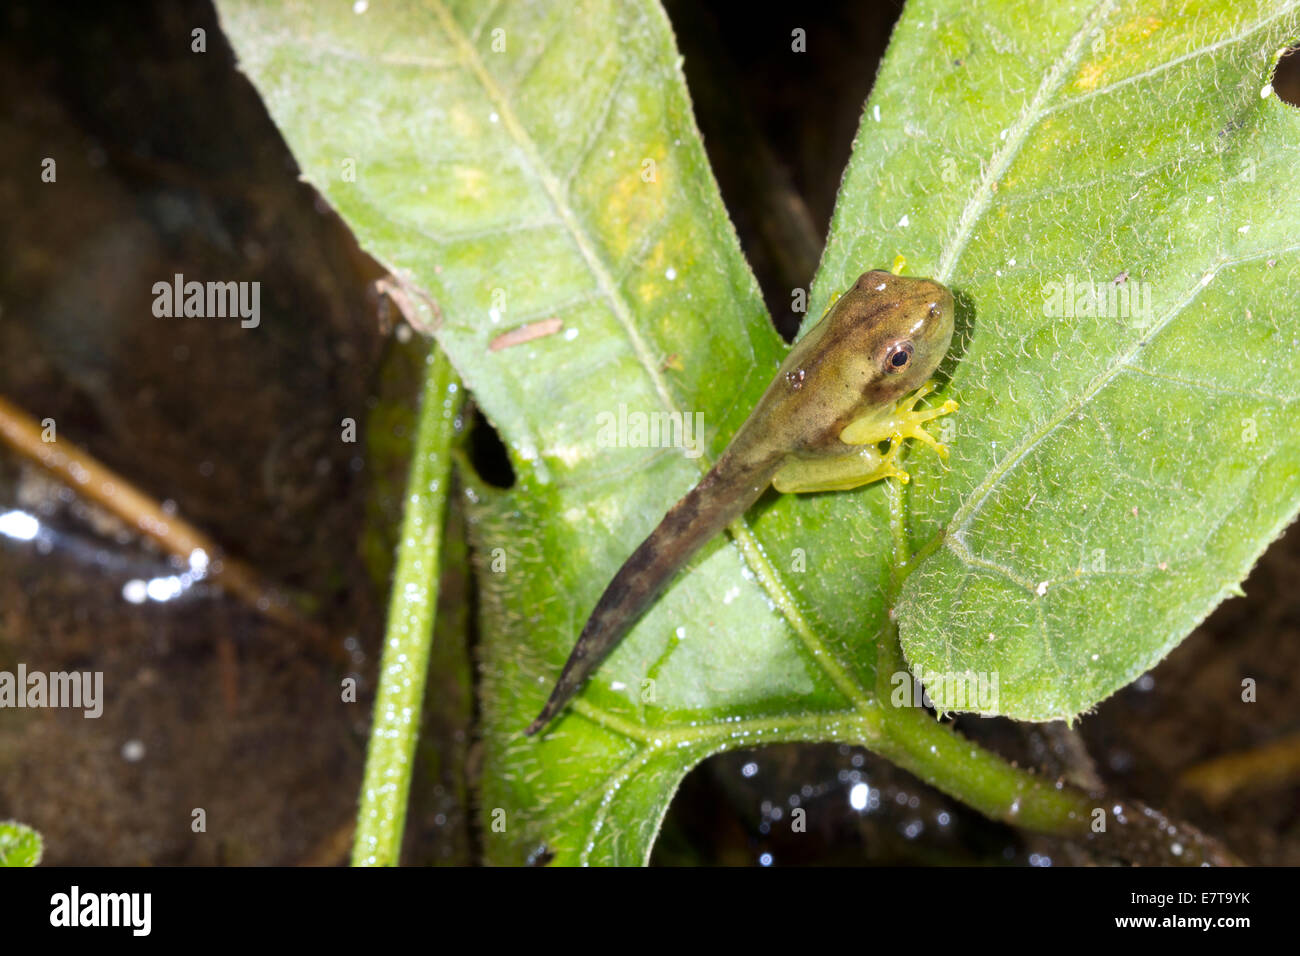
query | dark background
[168, 163]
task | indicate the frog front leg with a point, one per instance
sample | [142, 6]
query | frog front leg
[868, 463]
[898, 423]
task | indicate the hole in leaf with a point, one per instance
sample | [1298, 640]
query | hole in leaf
[488, 454]
[1286, 77]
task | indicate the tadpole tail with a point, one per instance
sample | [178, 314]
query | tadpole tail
[722, 495]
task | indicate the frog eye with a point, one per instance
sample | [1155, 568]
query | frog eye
[898, 356]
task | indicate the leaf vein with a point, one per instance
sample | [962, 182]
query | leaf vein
[1170, 64]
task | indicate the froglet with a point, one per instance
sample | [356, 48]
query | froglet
[846, 388]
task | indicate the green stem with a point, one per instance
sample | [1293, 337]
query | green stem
[409, 635]
[914, 740]
[919, 743]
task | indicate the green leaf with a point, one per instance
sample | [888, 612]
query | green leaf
[1114, 476]
[528, 163]
[20, 845]
[509, 211]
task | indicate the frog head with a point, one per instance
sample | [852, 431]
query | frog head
[897, 330]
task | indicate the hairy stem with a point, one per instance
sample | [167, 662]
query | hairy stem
[404, 664]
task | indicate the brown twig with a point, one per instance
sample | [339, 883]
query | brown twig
[1271, 765]
[173, 534]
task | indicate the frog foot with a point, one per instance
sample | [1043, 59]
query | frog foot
[888, 467]
[910, 422]
[898, 424]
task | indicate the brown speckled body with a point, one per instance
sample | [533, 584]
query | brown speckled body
[841, 368]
